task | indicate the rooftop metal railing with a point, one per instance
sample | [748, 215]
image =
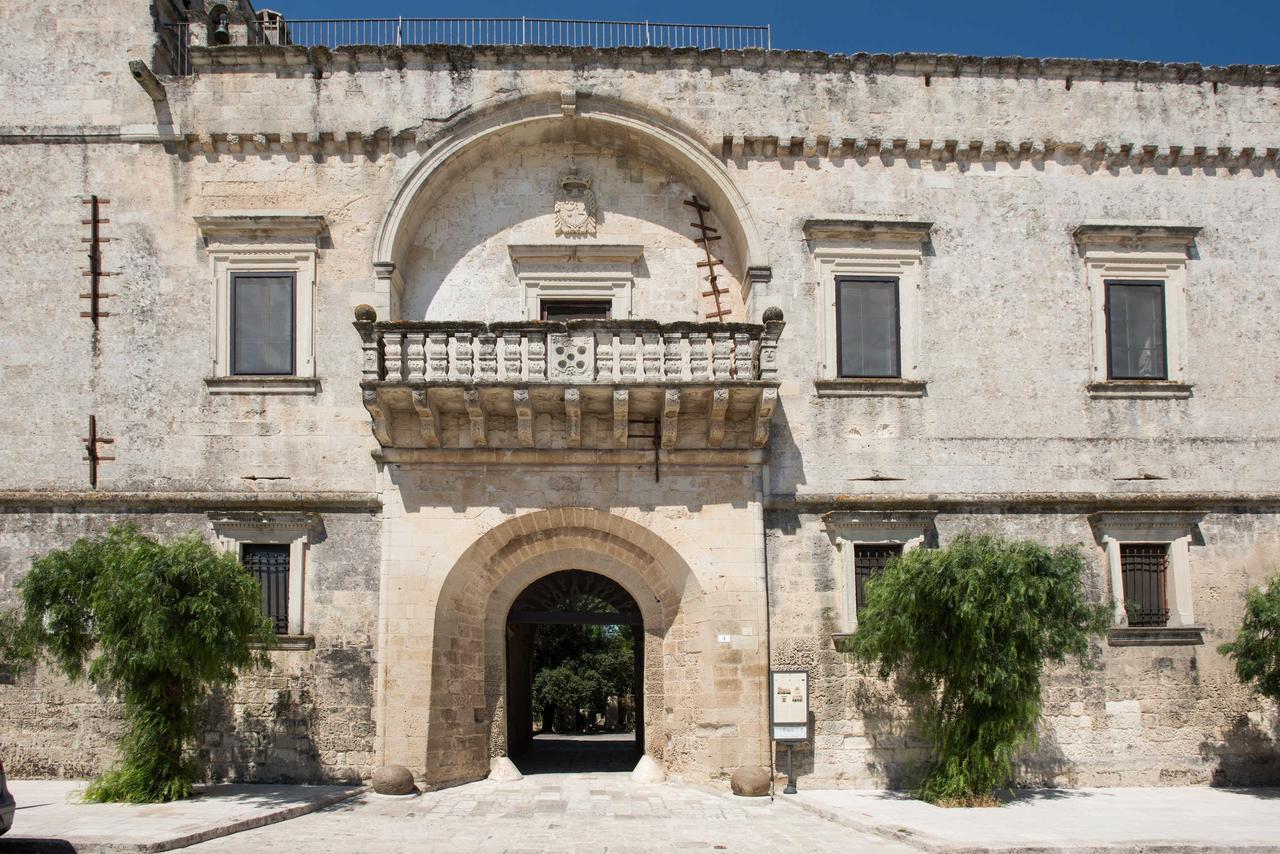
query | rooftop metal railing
[485, 32]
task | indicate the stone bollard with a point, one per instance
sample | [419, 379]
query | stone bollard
[750, 781]
[393, 780]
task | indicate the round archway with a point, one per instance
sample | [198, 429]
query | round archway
[575, 675]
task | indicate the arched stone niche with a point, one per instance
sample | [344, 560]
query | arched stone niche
[443, 250]
[466, 720]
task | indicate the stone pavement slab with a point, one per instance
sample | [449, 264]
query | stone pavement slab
[1080, 821]
[50, 817]
[561, 813]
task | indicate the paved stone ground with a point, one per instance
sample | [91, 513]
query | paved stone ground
[51, 818]
[1190, 818]
[571, 813]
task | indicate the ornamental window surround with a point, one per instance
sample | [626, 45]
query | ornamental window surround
[552, 275]
[262, 267]
[1136, 277]
[869, 275]
[1148, 558]
[865, 541]
[273, 547]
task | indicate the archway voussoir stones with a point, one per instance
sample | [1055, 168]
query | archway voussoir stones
[466, 673]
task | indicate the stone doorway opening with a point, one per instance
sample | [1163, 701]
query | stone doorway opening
[575, 675]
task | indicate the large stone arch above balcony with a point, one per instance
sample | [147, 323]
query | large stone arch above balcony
[577, 123]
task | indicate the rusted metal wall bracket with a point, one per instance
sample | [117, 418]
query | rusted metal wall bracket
[95, 273]
[707, 233]
[91, 443]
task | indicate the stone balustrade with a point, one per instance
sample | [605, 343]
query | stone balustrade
[585, 351]
[458, 385]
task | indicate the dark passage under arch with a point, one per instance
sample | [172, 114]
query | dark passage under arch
[570, 598]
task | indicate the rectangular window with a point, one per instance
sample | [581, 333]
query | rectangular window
[1144, 568]
[262, 323]
[1136, 347]
[269, 564]
[869, 561]
[576, 309]
[867, 327]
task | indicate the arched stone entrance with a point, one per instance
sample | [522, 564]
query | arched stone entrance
[570, 597]
[466, 721]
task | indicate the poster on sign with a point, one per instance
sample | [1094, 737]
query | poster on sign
[789, 695]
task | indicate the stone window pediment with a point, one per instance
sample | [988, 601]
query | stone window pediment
[585, 271]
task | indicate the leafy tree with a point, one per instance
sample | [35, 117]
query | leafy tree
[968, 629]
[579, 667]
[160, 624]
[1256, 649]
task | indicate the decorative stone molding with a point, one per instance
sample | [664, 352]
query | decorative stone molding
[103, 501]
[1155, 636]
[847, 529]
[1177, 529]
[879, 247]
[576, 271]
[265, 241]
[1146, 252]
[293, 529]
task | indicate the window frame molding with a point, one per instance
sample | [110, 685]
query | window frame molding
[845, 247]
[849, 529]
[1176, 529]
[239, 242]
[234, 530]
[585, 271]
[1138, 253]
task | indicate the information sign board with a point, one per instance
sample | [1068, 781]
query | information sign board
[789, 705]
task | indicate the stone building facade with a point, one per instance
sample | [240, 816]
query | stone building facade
[430, 439]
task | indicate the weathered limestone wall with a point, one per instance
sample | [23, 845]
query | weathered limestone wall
[1136, 716]
[308, 718]
[1005, 158]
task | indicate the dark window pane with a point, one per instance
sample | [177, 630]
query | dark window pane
[269, 564]
[867, 320]
[262, 324]
[869, 561]
[1135, 330]
[576, 309]
[1144, 568]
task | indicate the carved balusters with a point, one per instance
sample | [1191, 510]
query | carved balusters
[721, 355]
[604, 357]
[699, 366]
[652, 356]
[537, 356]
[438, 355]
[627, 356]
[487, 359]
[462, 356]
[744, 367]
[392, 356]
[415, 356]
[673, 356]
[512, 358]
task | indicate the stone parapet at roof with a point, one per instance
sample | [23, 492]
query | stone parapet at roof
[231, 58]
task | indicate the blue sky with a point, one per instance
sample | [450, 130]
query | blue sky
[1217, 33]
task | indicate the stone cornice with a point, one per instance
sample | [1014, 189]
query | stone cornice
[866, 228]
[1154, 234]
[1028, 502]
[101, 501]
[242, 58]
[259, 224]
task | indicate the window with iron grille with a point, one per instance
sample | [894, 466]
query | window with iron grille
[269, 564]
[869, 561]
[1144, 568]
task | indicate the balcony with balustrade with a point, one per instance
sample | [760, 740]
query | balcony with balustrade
[597, 390]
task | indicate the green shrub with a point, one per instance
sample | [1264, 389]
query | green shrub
[1256, 649]
[160, 624]
[968, 630]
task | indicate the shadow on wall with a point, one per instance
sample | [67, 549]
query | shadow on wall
[1247, 755]
[896, 752]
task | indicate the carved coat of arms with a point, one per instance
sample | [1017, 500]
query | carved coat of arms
[575, 206]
